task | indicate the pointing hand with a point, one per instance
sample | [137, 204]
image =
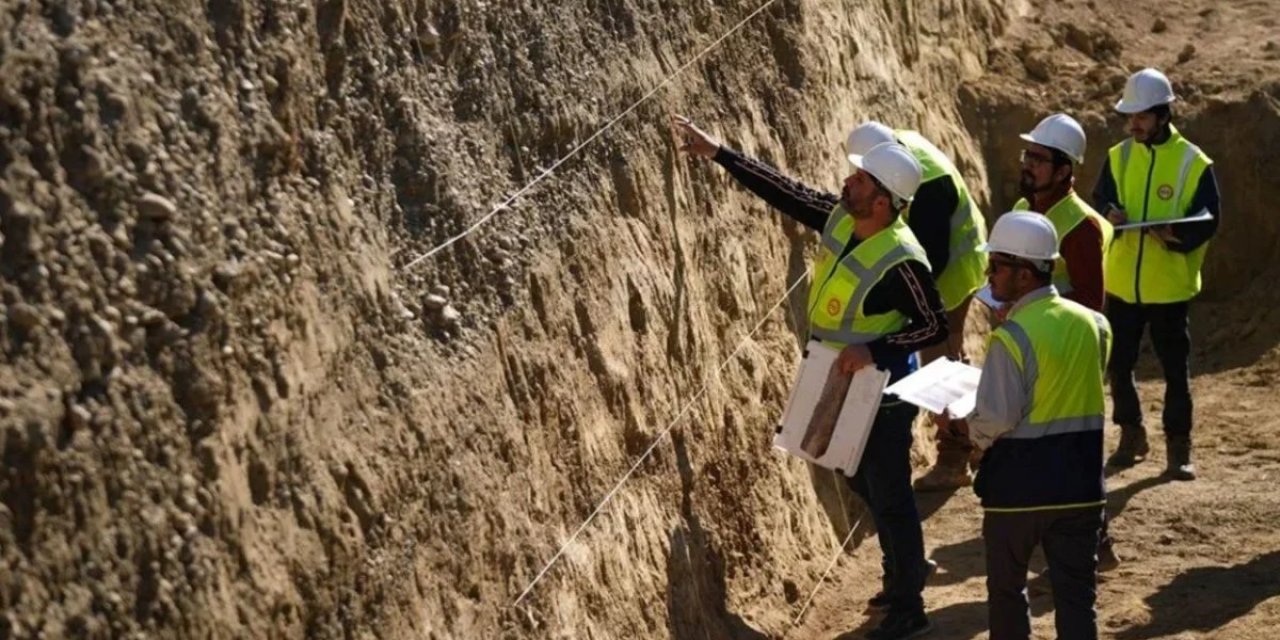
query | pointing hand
[694, 140]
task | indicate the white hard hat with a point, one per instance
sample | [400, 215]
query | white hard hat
[1024, 234]
[866, 137]
[1059, 131]
[1145, 89]
[894, 167]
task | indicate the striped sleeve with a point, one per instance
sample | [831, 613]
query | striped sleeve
[807, 206]
[909, 289]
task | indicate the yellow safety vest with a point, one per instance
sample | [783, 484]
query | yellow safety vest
[1154, 183]
[1065, 215]
[1053, 458]
[965, 271]
[840, 286]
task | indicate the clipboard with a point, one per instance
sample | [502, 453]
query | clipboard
[829, 416]
[1202, 216]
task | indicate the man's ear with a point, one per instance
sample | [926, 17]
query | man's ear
[1061, 173]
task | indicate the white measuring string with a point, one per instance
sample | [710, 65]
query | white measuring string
[645, 456]
[830, 566]
[549, 170]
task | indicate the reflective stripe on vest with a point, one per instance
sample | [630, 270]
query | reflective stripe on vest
[1061, 348]
[1066, 215]
[840, 285]
[1154, 183]
[965, 271]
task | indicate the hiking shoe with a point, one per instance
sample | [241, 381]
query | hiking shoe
[1179, 465]
[946, 475]
[1133, 447]
[881, 599]
[1107, 558]
[901, 626]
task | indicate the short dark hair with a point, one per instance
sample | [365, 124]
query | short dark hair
[1045, 276]
[1060, 158]
[1162, 112]
[895, 203]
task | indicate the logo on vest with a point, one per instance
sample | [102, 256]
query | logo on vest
[833, 307]
[1165, 192]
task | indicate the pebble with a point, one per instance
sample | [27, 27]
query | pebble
[80, 416]
[440, 290]
[156, 207]
[451, 315]
[436, 302]
[24, 316]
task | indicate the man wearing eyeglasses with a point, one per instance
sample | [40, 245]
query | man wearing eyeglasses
[1047, 182]
[872, 297]
[1154, 272]
[1039, 419]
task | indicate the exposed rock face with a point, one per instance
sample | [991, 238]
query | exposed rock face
[225, 410]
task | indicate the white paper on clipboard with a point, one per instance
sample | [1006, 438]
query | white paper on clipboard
[941, 385]
[1201, 216]
[856, 415]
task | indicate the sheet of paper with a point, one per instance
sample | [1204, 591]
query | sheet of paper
[984, 296]
[1202, 216]
[840, 448]
[941, 385]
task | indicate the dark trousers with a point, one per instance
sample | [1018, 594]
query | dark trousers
[884, 482]
[1172, 340]
[1070, 541]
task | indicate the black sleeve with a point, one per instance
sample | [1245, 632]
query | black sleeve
[1105, 193]
[909, 288]
[809, 207]
[930, 220]
[1193, 235]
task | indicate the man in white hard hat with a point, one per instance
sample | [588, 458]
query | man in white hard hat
[950, 227]
[1039, 418]
[1047, 185]
[1152, 273]
[872, 296]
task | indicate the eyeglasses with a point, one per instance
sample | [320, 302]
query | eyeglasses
[995, 264]
[1028, 158]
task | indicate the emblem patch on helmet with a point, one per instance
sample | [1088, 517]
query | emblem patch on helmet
[833, 307]
[1165, 192]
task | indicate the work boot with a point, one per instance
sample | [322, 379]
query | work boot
[902, 626]
[1179, 463]
[1107, 558]
[881, 600]
[1133, 446]
[950, 473]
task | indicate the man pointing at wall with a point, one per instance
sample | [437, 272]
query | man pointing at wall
[873, 298]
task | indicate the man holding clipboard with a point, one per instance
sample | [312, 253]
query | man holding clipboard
[1160, 191]
[873, 299]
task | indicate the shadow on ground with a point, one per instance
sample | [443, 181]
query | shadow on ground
[1207, 598]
